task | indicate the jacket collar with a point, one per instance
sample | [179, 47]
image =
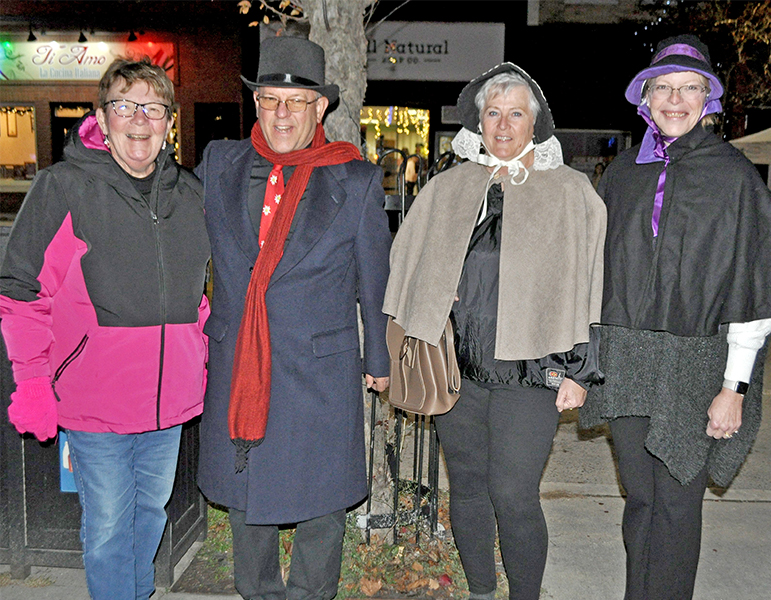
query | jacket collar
[96, 159]
[234, 186]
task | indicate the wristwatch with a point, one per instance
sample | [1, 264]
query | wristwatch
[740, 387]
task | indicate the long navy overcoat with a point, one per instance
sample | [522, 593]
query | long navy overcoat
[311, 462]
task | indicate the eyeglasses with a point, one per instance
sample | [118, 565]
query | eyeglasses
[687, 92]
[154, 111]
[293, 104]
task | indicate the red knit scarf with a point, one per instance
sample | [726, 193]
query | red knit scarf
[250, 387]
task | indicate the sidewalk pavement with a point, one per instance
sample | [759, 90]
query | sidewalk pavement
[583, 507]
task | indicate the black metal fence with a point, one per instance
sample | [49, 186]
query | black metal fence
[418, 481]
[423, 505]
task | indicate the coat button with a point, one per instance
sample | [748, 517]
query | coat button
[251, 269]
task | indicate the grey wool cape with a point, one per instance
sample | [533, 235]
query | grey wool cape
[550, 268]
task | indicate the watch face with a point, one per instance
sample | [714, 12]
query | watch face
[742, 387]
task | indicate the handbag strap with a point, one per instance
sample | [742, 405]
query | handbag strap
[453, 370]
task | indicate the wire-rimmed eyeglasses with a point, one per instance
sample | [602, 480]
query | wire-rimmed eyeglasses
[154, 111]
[691, 91]
[292, 104]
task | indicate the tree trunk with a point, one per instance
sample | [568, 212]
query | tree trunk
[338, 27]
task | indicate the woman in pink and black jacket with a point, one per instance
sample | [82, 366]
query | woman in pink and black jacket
[102, 306]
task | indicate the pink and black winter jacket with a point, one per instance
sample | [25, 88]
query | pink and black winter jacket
[101, 290]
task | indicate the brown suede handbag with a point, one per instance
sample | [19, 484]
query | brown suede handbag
[425, 379]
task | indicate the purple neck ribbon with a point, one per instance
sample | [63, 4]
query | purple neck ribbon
[660, 151]
[654, 149]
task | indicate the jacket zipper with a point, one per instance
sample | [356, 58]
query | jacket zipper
[161, 280]
[66, 363]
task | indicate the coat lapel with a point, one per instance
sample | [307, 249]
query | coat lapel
[234, 185]
[324, 197]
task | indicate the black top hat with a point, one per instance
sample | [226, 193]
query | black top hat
[674, 54]
[469, 113]
[292, 62]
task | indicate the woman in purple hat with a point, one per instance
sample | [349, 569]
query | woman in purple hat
[686, 309]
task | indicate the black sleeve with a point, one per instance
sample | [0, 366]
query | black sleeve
[581, 364]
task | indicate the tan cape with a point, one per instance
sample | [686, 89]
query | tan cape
[552, 240]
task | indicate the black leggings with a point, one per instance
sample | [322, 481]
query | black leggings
[662, 518]
[496, 441]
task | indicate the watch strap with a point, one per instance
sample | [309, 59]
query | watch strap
[740, 387]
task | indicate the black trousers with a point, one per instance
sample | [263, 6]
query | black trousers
[662, 519]
[316, 554]
[496, 440]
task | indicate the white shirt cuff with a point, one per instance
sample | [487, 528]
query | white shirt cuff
[744, 341]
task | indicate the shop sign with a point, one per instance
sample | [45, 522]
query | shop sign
[73, 61]
[422, 51]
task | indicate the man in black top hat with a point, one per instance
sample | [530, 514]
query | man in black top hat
[298, 237]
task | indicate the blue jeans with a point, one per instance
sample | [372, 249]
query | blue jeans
[124, 482]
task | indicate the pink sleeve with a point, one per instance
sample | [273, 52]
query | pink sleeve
[26, 325]
[27, 333]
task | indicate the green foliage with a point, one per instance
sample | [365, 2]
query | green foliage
[217, 550]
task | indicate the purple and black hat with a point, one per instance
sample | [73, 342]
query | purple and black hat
[674, 54]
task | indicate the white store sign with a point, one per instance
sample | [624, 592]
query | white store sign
[22, 61]
[422, 51]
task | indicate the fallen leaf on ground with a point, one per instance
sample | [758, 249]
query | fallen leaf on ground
[422, 582]
[370, 587]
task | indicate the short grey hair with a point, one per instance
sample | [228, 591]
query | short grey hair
[501, 85]
[131, 72]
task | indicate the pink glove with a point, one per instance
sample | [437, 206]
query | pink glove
[33, 408]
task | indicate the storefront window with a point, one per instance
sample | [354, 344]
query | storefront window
[63, 116]
[394, 127]
[18, 148]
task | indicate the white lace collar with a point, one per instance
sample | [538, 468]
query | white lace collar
[548, 155]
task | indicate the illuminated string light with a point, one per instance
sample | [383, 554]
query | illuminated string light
[174, 136]
[405, 119]
[17, 110]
